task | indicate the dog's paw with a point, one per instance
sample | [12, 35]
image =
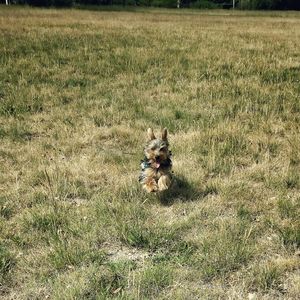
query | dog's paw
[154, 189]
[162, 188]
[151, 188]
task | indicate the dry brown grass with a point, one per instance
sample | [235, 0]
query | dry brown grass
[78, 89]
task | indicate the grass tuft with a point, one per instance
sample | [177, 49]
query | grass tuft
[154, 280]
[6, 263]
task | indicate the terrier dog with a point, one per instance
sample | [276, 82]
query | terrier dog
[156, 167]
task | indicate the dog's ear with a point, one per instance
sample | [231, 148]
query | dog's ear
[164, 134]
[150, 134]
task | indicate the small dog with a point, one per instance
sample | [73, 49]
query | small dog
[156, 167]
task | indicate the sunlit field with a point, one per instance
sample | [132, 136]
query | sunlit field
[78, 90]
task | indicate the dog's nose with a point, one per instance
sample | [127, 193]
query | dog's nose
[157, 156]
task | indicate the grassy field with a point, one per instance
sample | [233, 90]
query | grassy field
[78, 90]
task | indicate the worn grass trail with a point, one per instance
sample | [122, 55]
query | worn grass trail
[78, 89]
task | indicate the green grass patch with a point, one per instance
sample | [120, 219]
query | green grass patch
[154, 279]
[229, 248]
[6, 263]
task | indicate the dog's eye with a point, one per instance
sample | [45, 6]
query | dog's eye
[163, 148]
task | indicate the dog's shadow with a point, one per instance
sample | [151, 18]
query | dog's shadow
[182, 190]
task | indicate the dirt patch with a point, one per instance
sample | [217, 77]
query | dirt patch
[117, 252]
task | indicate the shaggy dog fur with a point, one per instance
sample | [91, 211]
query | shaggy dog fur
[156, 167]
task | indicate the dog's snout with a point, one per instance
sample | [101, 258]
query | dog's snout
[157, 156]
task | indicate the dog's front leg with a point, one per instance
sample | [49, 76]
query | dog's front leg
[150, 185]
[164, 182]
